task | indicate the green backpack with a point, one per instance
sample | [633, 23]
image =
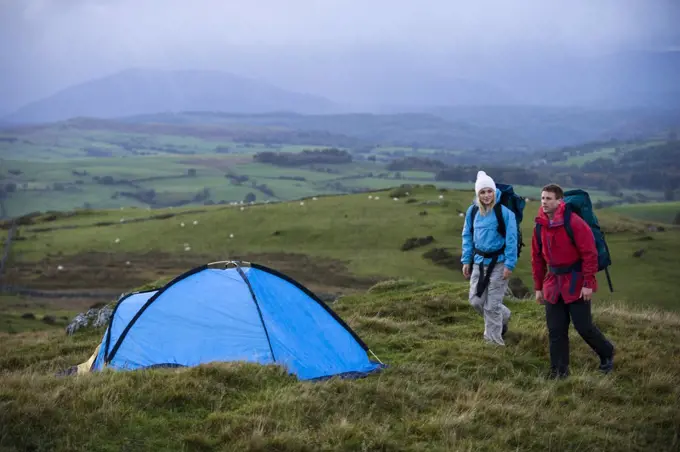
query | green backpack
[578, 202]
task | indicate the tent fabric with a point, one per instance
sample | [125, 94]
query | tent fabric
[247, 313]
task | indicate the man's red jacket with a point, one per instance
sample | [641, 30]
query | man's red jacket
[558, 251]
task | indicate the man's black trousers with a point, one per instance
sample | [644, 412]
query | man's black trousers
[557, 317]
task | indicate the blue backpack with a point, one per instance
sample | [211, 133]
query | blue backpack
[578, 202]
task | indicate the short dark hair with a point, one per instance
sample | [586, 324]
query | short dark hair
[554, 188]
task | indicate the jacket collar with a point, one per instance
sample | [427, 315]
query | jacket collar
[558, 218]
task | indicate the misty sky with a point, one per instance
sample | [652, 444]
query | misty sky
[46, 45]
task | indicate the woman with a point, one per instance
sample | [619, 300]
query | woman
[488, 258]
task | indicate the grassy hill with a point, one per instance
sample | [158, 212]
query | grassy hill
[359, 235]
[444, 388]
[665, 212]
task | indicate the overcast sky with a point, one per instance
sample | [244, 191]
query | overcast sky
[46, 45]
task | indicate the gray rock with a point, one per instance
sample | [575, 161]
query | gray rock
[103, 317]
[94, 318]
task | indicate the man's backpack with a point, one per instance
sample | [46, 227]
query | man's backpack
[512, 201]
[578, 202]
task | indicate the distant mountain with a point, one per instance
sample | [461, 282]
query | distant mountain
[389, 80]
[567, 126]
[406, 129]
[464, 127]
[623, 80]
[143, 91]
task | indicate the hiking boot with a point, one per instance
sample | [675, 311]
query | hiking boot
[607, 365]
[558, 374]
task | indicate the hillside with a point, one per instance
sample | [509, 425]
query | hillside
[139, 91]
[551, 127]
[616, 166]
[491, 127]
[443, 388]
[666, 212]
[334, 244]
[207, 159]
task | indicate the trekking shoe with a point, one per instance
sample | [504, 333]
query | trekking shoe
[556, 374]
[607, 364]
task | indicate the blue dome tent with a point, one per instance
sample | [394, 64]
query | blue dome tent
[232, 311]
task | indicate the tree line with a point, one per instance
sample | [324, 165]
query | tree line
[655, 168]
[306, 157]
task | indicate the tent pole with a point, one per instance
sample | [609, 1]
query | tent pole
[375, 356]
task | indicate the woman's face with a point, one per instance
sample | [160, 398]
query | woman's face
[486, 196]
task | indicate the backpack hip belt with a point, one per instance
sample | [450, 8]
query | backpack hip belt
[574, 269]
[485, 276]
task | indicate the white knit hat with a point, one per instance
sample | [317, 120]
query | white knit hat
[484, 181]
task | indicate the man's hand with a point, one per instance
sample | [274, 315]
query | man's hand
[586, 293]
[466, 271]
[539, 297]
[506, 273]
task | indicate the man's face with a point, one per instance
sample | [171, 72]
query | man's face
[549, 202]
[486, 196]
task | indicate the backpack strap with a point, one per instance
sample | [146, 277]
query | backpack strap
[567, 224]
[473, 214]
[537, 233]
[498, 210]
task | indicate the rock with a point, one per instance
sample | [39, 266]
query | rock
[653, 228]
[423, 213]
[415, 242]
[517, 288]
[103, 317]
[431, 203]
[49, 319]
[94, 318]
[441, 256]
[639, 252]
[73, 370]
[28, 315]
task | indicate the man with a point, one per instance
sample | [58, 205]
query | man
[567, 285]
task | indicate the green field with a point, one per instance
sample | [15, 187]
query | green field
[666, 212]
[586, 156]
[444, 388]
[77, 164]
[365, 233]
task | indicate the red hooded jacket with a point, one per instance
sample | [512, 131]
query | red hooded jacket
[559, 251]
